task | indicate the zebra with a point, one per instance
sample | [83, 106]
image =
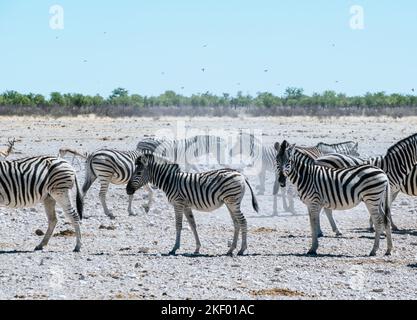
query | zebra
[399, 163]
[184, 151]
[116, 167]
[47, 179]
[322, 187]
[204, 191]
[249, 145]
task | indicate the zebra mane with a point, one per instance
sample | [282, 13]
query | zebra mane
[352, 143]
[306, 158]
[402, 143]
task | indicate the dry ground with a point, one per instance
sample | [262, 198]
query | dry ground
[126, 258]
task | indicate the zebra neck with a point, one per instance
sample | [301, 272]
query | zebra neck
[163, 175]
[400, 160]
[301, 172]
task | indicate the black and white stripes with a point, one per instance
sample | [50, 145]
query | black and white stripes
[112, 167]
[322, 187]
[205, 191]
[28, 181]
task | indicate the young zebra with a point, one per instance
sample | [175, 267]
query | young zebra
[116, 167]
[205, 191]
[336, 189]
[399, 163]
[28, 181]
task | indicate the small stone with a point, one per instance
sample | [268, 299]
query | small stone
[378, 290]
[278, 269]
[39, 232]
[138, 265]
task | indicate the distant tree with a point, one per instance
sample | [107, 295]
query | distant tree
[57, 99]
[118, 93]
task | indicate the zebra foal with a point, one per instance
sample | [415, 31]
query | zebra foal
[205, 191]
[28, 181]
[337, 189]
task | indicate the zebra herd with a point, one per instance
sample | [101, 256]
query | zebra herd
[326, 177]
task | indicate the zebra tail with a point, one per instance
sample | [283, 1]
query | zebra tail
[79, 199]
[387, 209]
[90, 176]
[254, 201]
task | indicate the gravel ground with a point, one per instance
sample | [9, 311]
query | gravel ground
[127, 258]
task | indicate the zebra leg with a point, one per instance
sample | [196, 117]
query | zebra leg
[240, 224]
[147, 206]
[377, 219]
[262, 174]
[129, 206]
[104, 187]
[274, 205]
[319, 231]
[64, 200]
[190, 217]
[290, 196]
[179, 211]
[393, 197]
[314, 212]
[49, 204]
[332, 222]
[284, 199]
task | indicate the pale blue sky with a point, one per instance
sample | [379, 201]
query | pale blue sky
[130, 43]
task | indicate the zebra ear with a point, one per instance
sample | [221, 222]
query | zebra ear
[291, 150]
[277, 146]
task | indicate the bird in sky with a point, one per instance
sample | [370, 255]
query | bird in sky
[205, 46]
[203, 69]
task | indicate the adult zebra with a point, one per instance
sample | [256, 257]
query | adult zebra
[28, 181]
[399, 163]
[264, 156]
[205, 191]
[185, 151]
[336, 189]
[116, 167]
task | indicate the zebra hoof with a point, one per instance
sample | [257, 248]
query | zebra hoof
[39, 248]
[172, 253]
[371, 229]
[229, 253]
[372, 254]
[388, 253]
[312, 252]
[320, 234]
[338, 234]
[76, 250]
[146, 208]
[241, 253]
[131, 214]
[394, 228]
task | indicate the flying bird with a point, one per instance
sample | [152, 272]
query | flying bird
[85, 60]
[203, 69]
[266, 70]
[205, 46]
[412, 89]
